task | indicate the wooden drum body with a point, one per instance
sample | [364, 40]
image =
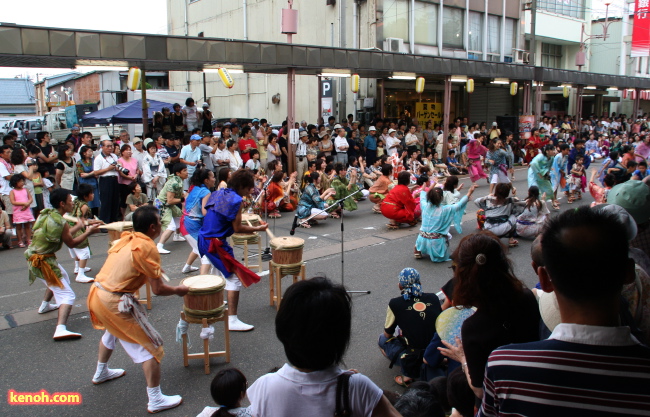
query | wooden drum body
[287, 250]
[205, 298]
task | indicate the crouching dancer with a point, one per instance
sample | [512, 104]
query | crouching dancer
[132, 261]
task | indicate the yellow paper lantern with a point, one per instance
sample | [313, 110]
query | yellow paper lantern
[566, 90]
[419, 85]
[354, 83]
[513, 88]
[133, 80]
[469, 85]
[226, 79]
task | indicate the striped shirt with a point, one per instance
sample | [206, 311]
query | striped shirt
[579, 371]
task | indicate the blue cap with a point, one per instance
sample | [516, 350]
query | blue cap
[195, 137]
[255, 120]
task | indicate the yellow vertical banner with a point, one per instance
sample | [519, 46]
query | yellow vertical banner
[428, 111]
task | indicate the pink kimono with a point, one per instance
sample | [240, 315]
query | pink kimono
[474, 152]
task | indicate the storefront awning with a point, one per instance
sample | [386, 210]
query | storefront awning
[29, 46]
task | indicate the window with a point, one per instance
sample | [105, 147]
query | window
[426, 23]
[571, 8]
[452, 28]
[510, 42]
[396, 19]
[551, 55]
[475, 32]
[493, 35]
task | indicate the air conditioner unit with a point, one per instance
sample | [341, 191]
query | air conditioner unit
[527, 5]
[521, 56]
[394, 45]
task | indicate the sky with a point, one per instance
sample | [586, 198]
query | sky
[124, 16]
[143, 16]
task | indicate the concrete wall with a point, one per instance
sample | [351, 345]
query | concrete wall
[224, 19]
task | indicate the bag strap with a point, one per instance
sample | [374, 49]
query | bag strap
[343, 395]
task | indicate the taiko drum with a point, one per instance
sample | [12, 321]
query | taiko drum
[287, 250]
[205, 298]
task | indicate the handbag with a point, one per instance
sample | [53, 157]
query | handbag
[411, 359]
[343, 395]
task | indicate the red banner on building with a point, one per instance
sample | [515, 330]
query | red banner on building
[641, 30]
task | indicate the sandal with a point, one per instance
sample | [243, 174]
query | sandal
[376, 211]
[513, 243]
[556, 206]
[306, 225]
[333, 215]
[417, 254]
[402, 381]
[21, 245]
[392, 226]
[275, 215]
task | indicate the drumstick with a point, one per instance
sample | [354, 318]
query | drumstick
[270, 233]
[165, 277]
[73, 219]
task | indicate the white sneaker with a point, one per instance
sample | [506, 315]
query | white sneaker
[47, 307]
[86, 269]
[64, 334]
[178, 238]
[187, 270]
[109, 374]
[239, 326]
[162, 250]
[84, 279]
[164, 402]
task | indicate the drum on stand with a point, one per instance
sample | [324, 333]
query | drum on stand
[287, 251]
[205, 297]
[254, 219]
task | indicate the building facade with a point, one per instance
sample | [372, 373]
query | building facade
[493, 31]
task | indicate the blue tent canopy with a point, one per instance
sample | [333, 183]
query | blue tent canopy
[130, 112]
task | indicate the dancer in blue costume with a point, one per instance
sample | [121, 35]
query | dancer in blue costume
[436, 221]
[222, 219]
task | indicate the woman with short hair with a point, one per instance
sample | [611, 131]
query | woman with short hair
[307, 384]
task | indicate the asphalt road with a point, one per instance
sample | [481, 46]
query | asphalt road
[374, 256]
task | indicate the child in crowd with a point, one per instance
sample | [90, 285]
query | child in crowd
[380, 148]
[153, 171]
[48, 186]
[253, 162]
[81, 252]
[641, 171]
[228, 389]
[21, 199]
[453, 165]
[575, 180]
[134, 200]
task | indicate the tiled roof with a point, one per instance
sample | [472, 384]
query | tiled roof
[15, 91]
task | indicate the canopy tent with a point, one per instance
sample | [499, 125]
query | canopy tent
[124, 113]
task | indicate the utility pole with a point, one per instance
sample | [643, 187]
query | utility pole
[533, 41]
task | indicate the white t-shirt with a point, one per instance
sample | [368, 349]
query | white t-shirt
[339, 143]
[391, 141]
[102, 162]
[289, 392]
[5, 189]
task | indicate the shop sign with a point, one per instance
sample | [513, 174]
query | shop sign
[427, 111]
[526, 124]
[641, 29]
[326, 98]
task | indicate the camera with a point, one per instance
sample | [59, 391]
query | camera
[121, 168]
[30, 162]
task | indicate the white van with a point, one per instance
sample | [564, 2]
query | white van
[32, 127]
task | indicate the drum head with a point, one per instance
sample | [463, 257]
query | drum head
[287, 242]
[450, 321]
[204, 282]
